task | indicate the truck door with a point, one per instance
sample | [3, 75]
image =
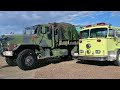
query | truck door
[46, 37]
[27, 36]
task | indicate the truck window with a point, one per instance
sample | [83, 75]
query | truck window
[35, 31]
[118, 34]
[111, 32]
[98, 32]
[28, 32]
[32, 32]
[84, 34]
[49, 33]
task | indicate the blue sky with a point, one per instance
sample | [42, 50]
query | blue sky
[16, 21]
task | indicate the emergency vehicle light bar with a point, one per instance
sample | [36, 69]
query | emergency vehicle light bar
[101, 24]
[98, 24]
[88, 26]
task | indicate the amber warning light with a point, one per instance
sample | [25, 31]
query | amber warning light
[88, 26]
[102, 24]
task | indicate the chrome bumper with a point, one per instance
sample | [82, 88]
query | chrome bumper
[92, 58]
[7, 53]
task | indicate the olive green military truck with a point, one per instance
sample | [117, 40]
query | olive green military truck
[39, 41]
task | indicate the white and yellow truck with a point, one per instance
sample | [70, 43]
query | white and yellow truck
[100, 42]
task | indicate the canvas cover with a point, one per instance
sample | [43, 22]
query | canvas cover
[66, 31]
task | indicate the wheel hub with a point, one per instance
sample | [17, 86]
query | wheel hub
[29, 60]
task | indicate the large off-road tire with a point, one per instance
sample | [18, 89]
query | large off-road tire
[11, 61]
[117, 61]
[27, 60]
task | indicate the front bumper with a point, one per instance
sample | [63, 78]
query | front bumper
[93, 58]
[102, 58]
[105, 58]
[7, 53]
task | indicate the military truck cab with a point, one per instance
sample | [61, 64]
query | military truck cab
[100, 42]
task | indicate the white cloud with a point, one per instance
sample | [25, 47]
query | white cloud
[115, 13]
[17, 20]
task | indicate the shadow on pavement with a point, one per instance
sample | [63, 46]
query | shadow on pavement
[45, 62]
[98, 63]
[4, 66]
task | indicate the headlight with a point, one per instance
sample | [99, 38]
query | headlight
[15, 45]
[88, 46]
[11, 46]
[8, 53]
[97, 51]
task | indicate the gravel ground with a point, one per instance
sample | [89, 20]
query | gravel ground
[72, 69]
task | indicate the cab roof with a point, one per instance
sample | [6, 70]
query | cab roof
[100, 25]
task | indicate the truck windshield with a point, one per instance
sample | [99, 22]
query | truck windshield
[98, 32]
[84, 34]
[30, 30]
